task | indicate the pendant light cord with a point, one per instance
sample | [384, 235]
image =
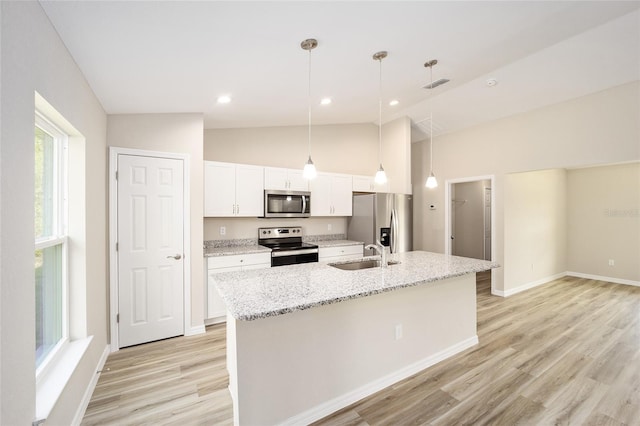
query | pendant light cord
[431, 125]
[380, 115]
[309, 103]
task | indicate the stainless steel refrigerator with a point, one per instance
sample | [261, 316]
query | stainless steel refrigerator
[384, 217]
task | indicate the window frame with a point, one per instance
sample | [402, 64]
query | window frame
[59, 235]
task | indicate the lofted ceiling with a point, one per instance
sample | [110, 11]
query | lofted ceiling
[161, 57]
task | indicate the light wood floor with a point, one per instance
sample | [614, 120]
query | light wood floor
[567, 352]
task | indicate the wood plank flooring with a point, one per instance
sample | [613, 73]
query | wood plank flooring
[567, 352]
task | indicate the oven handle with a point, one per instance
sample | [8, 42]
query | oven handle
[293, 252]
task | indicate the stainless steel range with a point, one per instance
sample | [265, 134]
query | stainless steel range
[286, 245]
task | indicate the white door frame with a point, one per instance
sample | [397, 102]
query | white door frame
[447, 211]
[113, 235]
[447, 216]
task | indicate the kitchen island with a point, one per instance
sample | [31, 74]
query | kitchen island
[306, 340]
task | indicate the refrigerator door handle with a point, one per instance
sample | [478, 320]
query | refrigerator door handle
[394, 231]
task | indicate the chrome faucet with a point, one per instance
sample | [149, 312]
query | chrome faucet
[381, 250]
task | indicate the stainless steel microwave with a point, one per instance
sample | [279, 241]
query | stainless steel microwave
[287, 203]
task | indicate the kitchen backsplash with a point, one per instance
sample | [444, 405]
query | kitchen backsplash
[247, 228]
[244, 242]
[323, 237]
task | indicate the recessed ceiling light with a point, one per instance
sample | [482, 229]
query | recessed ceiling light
[225, 99]
[394, 102]
[492, 82]
[325, 101]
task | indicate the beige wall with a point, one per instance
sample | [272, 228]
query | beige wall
[535, 223]
[33, 58]
[604, 221]
[339, 148]
[336, 148]
[601, 128]
[180, 133]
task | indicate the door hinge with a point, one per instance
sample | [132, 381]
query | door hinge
[116, 175]
[118, 318]
[116, 246]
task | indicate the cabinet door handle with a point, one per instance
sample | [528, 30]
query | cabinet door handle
[237, 208]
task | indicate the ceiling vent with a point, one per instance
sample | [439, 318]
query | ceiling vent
[436, 83]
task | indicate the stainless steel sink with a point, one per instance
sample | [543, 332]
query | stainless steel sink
[360, 264]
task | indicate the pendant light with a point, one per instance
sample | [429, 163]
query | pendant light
[381, 176]
[309, 171]
[431, 180]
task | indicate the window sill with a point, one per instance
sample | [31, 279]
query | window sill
[50, 387]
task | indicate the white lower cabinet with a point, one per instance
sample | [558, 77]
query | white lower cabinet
[340, 253]
[216, 308]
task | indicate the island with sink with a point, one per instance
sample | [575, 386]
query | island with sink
[306, 340]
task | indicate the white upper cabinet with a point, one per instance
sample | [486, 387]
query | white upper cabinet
[233, 190]
[331, 195]
[284, 179]
[368, 184]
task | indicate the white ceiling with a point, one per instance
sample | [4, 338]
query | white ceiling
[151, 57]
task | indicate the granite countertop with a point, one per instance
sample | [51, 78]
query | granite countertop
[235, 250]
[336, 243]
[256, 294]
[250, 245]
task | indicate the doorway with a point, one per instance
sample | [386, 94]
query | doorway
[149, 243]
[470, 217]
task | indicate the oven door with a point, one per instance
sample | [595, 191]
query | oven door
[287, 204]
[292, 257]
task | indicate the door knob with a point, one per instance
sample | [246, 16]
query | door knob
[176, 257]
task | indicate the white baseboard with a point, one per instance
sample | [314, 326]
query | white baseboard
[198, 329]
[77, 419]
[602, 278]
[545, 280]
[320, 411]
[213, 321]
[529, 285]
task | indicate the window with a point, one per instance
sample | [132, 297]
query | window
[50, 241]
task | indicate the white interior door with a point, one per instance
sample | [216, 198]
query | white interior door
[150, 249]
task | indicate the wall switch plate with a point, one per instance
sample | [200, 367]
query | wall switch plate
[223, 230]
[329, 227]
[612, 262]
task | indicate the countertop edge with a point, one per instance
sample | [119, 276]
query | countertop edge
[302, 307]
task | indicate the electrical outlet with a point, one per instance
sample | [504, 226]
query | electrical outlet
[223, 230]
[329, 227]
[612, 262]
[398, 331]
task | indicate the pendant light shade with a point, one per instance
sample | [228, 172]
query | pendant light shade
[309, 171]
[431, 182]
[381, 176]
